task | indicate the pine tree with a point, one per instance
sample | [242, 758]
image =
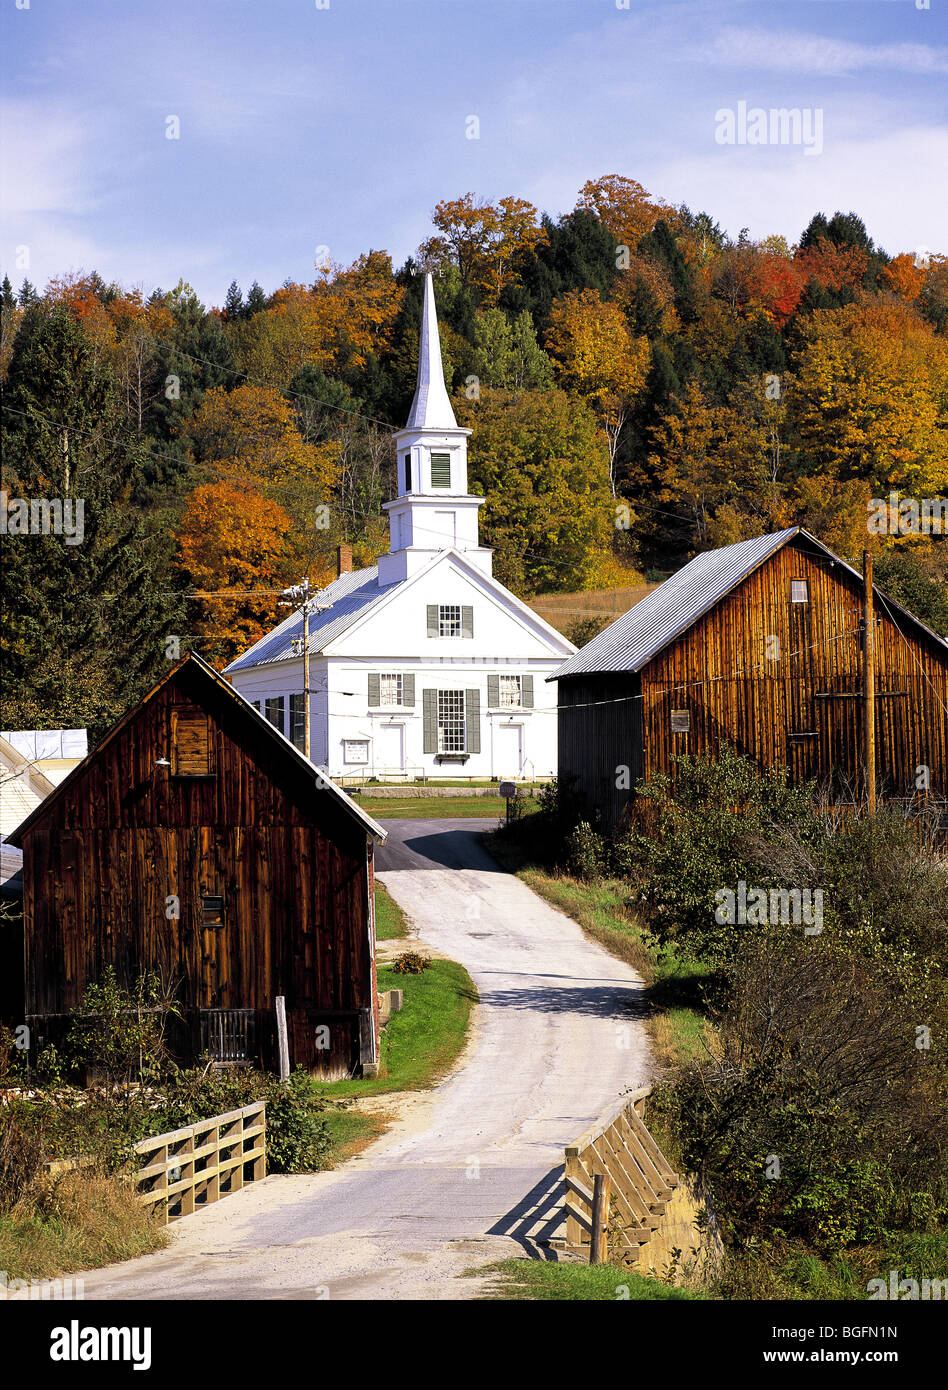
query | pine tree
[234, 303]
[256, 300]
[86, 635]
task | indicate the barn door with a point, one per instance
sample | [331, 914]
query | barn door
[841, 745]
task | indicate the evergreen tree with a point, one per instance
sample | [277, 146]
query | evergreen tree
[256, 300]
[234, 303]
[86, 635]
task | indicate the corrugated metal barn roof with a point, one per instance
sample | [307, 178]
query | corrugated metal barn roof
[349, 597]
[631, 641]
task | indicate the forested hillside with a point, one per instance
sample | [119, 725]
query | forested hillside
[639, 387]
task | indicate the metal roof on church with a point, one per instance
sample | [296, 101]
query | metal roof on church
[349, 598]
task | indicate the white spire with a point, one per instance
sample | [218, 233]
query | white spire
[430, 407]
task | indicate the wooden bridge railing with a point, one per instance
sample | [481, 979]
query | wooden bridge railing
[188, 1168]
[625, 1202]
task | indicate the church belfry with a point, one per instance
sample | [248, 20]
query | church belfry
[432, 510]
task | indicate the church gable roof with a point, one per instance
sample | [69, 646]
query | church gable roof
[348, 599]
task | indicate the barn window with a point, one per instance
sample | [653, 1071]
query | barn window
[212, 910]
[440, 470]
[799, 591]
[191, 747]
[680, 721]
[275, 711]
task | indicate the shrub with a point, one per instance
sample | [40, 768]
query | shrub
[819, 1120]
[297, 1132]
[411, 963]
[587, 854]
[121, 1032]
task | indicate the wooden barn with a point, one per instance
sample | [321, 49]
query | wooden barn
[761, 645]
[198, 842]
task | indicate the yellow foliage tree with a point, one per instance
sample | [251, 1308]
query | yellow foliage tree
[599, 359]
[870, 398]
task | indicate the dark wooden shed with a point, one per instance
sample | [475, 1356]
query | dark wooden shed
[198, 842]
[759, 645]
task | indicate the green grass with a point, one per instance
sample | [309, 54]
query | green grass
[437, 807]
[390, 921]
[541, 1280]
[350, 1130]
[423, 1040]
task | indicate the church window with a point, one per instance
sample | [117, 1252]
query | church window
[390, 689]
[451, 721]
[510, 692]
[275, 711]
[441, 470]
[449, 620]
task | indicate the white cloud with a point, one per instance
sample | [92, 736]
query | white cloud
[782, 51]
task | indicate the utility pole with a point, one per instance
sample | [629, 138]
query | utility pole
[869, 681]
[303, 593]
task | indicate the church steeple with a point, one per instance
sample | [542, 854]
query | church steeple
[432, 510]
[431, 405]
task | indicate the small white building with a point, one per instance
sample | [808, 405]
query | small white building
[423, 663]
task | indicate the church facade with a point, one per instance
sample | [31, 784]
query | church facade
[423, 663]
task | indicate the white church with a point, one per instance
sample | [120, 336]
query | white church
[423, 664]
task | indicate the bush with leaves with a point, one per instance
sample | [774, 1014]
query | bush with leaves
[819, 1118]
[297, 1133]
[121, 1032]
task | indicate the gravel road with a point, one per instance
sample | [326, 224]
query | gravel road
[472, 1170]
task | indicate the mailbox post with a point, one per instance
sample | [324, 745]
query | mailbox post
[509, 790]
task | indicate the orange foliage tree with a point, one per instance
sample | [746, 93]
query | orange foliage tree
[482, 240]
[624, 206]
[234, 548]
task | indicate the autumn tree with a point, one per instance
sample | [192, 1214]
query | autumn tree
[599, 359]
[870, 397]
[543, 465]
[484, 241]
[624, 206]
[235, 552]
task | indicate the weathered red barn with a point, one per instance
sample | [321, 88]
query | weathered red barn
[760, 645]
[198, 842]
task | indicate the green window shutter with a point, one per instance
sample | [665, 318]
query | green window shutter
[433, 628]
[441, 470]
[493, 692]
[467, 620]
[526, 686]
[472, 720]
[408, 690]
[429, 707]
[375, 696]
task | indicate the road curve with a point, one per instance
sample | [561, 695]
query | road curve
[473, 1170]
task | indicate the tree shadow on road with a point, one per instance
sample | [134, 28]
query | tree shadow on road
[597, 1000]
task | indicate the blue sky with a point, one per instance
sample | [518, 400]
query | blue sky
[303, 127]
